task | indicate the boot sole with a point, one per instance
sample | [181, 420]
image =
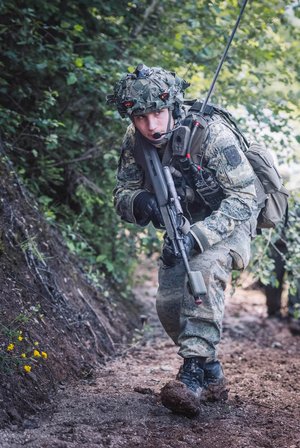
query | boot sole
[179, 399]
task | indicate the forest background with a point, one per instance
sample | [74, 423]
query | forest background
[60, 59]
[66, 259]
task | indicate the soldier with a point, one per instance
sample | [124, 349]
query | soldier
[223, 220]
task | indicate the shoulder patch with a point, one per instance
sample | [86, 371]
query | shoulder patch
[232, 155]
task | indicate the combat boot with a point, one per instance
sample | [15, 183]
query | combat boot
[183, 396]
[215, 383]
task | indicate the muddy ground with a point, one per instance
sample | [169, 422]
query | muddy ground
[119, 405]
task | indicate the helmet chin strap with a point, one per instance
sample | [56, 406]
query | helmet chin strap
[169, 121]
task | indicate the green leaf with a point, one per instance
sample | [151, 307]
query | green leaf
[79, 62]
[78, 28]
[71, 79]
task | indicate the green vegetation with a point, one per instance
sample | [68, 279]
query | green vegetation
[59, 60]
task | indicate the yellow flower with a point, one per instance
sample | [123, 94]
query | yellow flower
[10, 347]
[44, 355]
[36, 343]
[27, 368]
[36, 353]
[23, 355]
[20, 338]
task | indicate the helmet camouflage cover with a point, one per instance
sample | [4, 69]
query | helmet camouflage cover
[147, 90]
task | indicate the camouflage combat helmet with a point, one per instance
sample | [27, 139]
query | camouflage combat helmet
[147, 89]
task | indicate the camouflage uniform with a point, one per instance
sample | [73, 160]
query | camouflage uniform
[224, 234]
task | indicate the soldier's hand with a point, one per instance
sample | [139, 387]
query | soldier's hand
[168, 256]
[145, 209]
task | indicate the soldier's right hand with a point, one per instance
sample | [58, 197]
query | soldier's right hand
[168, 256]
[145, 209]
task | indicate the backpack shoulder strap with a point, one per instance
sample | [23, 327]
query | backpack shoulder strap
[211, 109]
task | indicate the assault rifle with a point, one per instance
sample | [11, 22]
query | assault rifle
[176, 223]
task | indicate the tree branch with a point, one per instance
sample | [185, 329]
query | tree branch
[142, 23]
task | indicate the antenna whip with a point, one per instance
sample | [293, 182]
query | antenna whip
[223, 58]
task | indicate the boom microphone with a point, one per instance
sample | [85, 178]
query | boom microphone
[158, 135]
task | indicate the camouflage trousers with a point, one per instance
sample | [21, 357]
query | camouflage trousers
[197, 329]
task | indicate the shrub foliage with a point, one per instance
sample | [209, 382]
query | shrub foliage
[60, 59]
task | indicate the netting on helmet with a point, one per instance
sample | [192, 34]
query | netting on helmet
[147, 90]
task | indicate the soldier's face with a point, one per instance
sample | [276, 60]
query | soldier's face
[153, 122]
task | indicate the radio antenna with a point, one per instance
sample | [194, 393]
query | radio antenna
[223, 58]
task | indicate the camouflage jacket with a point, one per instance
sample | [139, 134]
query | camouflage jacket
[221, 150]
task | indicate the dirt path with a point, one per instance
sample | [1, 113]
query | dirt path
[120, 406]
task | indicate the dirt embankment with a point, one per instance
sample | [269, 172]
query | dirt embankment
[120, 406]
[53, 321]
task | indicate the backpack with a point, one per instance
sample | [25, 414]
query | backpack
[272, 196]
[274, 209]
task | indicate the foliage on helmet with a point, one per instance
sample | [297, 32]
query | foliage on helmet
[147, 89]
